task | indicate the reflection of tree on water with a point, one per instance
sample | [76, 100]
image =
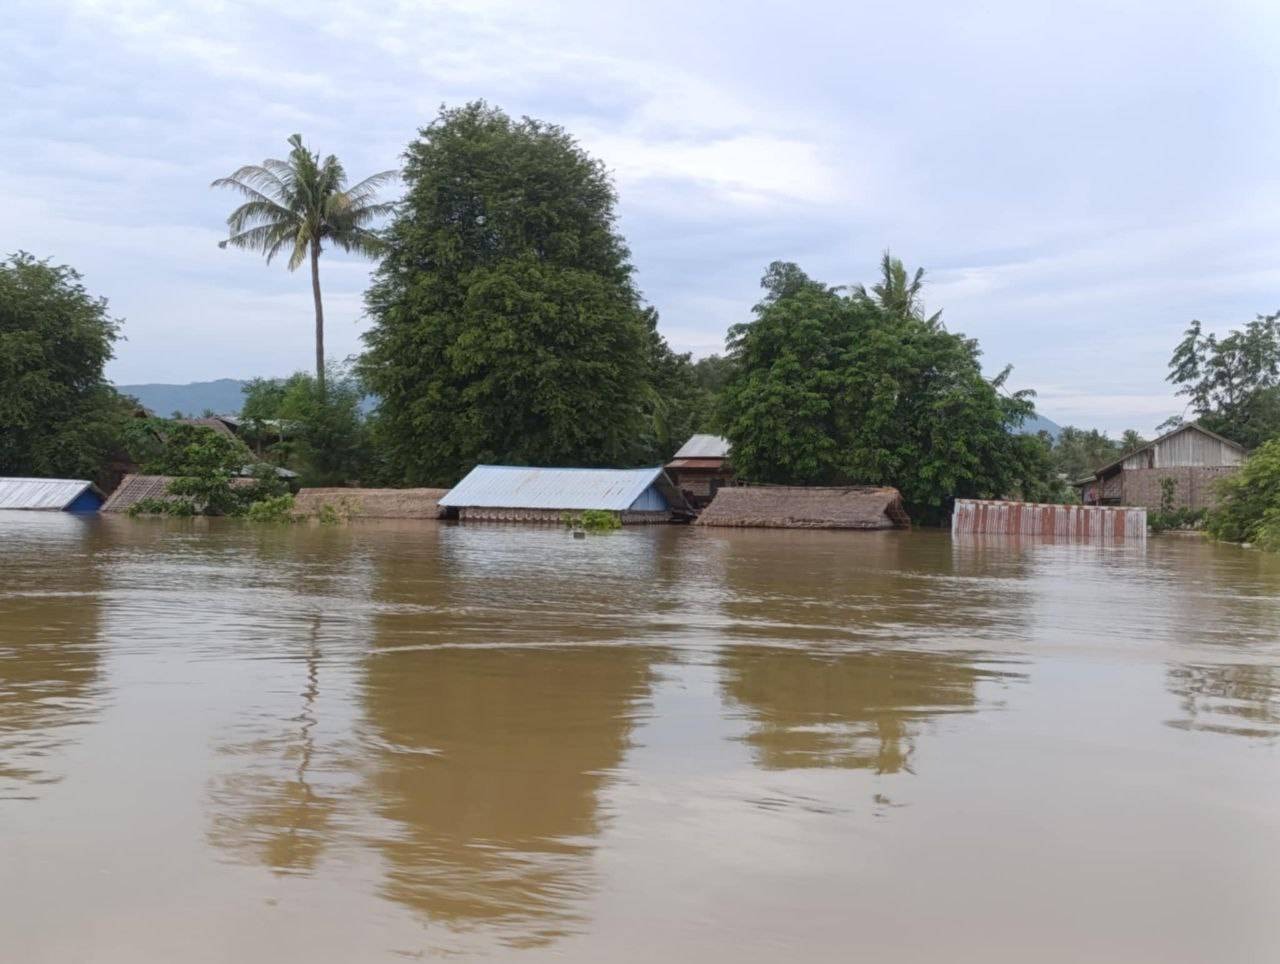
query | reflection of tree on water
[272, 811]
[1237, 699]
[50, 658]
[859, 710]
[487, 765]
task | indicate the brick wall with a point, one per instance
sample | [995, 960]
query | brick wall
[1194, 489]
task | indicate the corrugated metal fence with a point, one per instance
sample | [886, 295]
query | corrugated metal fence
[1102, 522]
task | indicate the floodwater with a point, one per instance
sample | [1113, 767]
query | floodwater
[382, 742]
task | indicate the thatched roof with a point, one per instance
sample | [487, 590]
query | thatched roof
[372, 503]
[806, 507]
[135, 488]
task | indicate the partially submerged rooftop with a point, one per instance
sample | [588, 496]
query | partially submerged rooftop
[807, 507]
[53, 495]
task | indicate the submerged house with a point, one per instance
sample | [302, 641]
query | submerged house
[511, 493]
[807, 507]
[371, 503]
[1192, 457]
[701, 468]
[50, 495]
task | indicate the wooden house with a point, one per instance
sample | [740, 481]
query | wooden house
[701, 468]
[1191, 456]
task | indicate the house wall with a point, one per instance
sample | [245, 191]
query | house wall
[554, 516]
[1187, 448]
[698, 483]
[1194, 489]
[86, 501]
[650, 500]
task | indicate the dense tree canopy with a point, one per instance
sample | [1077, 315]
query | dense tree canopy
[1233, 382]
[1079, 452]
[319, 432]
[1249, 508]
[830, 388]
[506, 327]
[60, 417]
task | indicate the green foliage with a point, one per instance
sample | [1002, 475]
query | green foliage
[59, 415]
[679, 402]
[154, 506]
[829, 388]
[318, 431]
[1248, 509]
[1078, 452]
[300, 205]
[204, 463]
[272, 509]
[594, 520]
[1233, 382]
[506, 326]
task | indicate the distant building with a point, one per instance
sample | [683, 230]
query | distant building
[701, 468]
[1192, 456]
[222, 424]
[509, 493]
[50, 495]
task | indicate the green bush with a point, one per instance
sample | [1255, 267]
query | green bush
[594, 520]
[155, 506]
[1249, 501]
[275, 508]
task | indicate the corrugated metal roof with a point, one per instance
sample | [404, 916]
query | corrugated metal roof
[518, 487]
[704, 447]
[40, 493]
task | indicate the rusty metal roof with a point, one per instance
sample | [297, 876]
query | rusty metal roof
[41, 493]
[521, 487]
[704, 447]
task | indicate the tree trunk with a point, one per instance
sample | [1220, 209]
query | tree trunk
[315, 292]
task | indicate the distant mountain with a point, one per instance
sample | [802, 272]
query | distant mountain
[223, 396]
[1034, 426]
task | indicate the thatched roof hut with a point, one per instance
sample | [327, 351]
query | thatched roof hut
[134, 488]
[372, 503]
[806, 507]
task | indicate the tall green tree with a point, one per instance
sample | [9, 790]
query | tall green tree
[829, 388]
[506, 325]
[1233, 382]
[59, 416]
[300, 205]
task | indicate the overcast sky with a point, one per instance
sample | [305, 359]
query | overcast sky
[1079, 180]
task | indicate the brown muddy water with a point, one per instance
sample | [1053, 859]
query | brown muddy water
[413, 741]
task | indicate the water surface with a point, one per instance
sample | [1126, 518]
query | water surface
[417, 740]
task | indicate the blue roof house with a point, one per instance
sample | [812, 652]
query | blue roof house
[51, 495]
[514, 493]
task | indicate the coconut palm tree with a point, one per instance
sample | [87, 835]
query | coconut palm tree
[302, 204]
[898, 292]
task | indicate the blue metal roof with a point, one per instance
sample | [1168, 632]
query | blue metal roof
[43, 493]
[520, 487]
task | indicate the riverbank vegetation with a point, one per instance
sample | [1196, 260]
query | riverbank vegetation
[831, 386]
